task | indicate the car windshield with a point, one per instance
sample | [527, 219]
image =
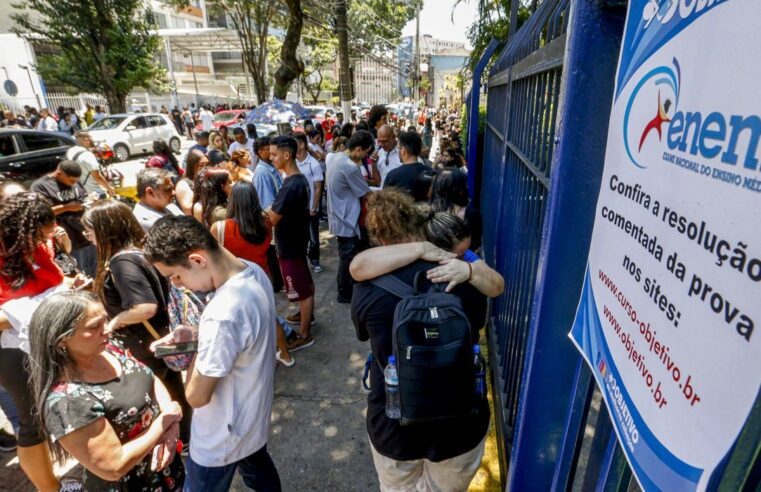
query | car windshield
[221, 117]
[107, 123]
[315, 111]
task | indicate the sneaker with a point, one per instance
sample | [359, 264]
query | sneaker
[71, 485]
[286, 363]
[7, 441]
[323, 220]
[299, 343]
[295, 319]
[318, 268]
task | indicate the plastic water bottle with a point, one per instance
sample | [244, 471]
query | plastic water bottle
[393, 407]
[479, 366]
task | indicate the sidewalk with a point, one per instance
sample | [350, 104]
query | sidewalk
[318, 439]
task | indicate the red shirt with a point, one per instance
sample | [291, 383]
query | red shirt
[327, 127]
[46, 275]
[240, 247]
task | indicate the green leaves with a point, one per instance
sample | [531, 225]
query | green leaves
[93, 45]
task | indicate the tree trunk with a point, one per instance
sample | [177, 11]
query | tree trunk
[117, 103]
[290, 66]
[344, 74]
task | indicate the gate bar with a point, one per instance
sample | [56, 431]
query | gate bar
[592, 47]
[475, 97]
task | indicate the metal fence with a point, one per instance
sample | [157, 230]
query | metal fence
[549, 102]
[141, 101]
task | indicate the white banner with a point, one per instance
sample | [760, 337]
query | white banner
[672, 296]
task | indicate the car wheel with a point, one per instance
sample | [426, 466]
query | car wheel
[121, 152]
[174, 144]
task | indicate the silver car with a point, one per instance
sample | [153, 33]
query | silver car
[130, 134]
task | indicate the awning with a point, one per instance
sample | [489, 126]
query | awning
[202, 40]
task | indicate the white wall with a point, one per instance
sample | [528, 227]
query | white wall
[15, 51]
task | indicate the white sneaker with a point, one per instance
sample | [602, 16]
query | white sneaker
[280, 359]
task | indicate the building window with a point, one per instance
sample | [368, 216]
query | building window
[176, 22]
[160, 20]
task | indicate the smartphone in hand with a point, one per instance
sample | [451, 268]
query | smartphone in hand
[176, 349]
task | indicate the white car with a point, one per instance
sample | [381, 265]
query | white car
[131, 134]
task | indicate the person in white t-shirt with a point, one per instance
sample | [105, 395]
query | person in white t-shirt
[47, 123]
[230, 381]
[243, 142]
[91, 178]
[311, 169]
[207, 119]
[388, 155]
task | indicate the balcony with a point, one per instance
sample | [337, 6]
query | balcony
[191, 10]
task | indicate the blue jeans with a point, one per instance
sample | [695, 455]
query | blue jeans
[9, 408]
[257, 470]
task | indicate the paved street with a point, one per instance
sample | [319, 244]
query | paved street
[318, 439]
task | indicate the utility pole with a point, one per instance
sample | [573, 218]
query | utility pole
[416, 82]
[344, 72]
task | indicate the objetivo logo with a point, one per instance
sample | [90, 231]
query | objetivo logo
[650, 108]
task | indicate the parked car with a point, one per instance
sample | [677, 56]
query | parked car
[317, 113]
[231, 118]
[131, 134]
[25, 155]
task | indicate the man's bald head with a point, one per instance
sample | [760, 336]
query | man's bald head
[387, 138]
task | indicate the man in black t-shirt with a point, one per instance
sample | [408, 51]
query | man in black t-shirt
[403, 177]
[67, 195]
[289, 214]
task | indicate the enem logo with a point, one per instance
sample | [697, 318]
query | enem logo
[653, 105]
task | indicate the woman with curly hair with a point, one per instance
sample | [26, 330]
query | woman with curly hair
[134, 294]
[27, 269]
[238, 166]
[210, 194]
[403, 458]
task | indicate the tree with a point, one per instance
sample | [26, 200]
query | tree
[322, 50]
[290, 66]
[493, 21]
[251, 20]
[99, 46]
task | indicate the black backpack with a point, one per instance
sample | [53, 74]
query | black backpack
[434, 352]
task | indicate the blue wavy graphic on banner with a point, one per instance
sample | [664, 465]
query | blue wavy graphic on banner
[659, 22]
[655, 466]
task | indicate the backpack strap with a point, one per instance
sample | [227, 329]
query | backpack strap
[394, 286]
[77, 156]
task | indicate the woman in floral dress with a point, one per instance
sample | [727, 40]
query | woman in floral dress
[100, 405]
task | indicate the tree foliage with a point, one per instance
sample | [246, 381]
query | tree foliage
[493, 21]
[99, 46]
[322, 51]
[375, 26]
[251, 20]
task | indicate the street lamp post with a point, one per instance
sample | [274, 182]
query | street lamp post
[31, 83]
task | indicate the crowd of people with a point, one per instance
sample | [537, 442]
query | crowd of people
[93, 291]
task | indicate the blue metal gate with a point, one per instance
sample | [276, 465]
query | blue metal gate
[549, 101]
